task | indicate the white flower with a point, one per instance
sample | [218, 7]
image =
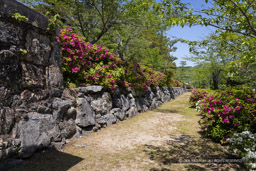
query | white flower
[253, 165]
[246, 132]
[245, 141]
[240, 139]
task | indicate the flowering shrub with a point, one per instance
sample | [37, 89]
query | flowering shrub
[197, 95]
[244, 144]
[199, 107]
[139, 77]
[226, 112]
[87, 63]
[95, 65]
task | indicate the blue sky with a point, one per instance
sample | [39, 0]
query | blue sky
[193, 33]
[188, 33]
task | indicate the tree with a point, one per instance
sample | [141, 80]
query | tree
[201, 76]
[91, 18]
[183, 64]
[235, 20]
[209, 52]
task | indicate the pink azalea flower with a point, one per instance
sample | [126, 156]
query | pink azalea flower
[225, 108]
[75, 69]
[109, 76]
[226, 120]
[236, 124]
[231, 116]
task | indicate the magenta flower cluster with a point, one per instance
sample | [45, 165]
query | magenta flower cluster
[94, 65]
[197, 94]
[226, 112]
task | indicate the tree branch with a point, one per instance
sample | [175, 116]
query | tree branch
[245, 15]
[226, 29]
[79, 19]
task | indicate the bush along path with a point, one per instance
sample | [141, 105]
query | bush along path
[167, 138]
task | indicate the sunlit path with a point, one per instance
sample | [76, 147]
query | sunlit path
[166, 138]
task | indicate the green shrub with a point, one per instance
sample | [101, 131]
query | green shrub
[226, 112]
[197, 95]
[95, 65]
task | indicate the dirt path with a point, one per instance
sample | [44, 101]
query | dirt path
[163, 139]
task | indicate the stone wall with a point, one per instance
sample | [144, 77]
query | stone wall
[35, 110]
[30, 72]
[52, 121]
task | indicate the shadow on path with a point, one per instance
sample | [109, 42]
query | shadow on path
[48, 160]
[170, 111]
[195, 153]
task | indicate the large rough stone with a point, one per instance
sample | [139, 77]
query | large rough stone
[45, 108]
[144, 108]
[38, 47]
[132, 102]
[85, 115]
[71, 113]
[178, 91]
[166, 97]
[55, 58]
[10, 71]
[8, 8]
[5, 96]
[153, 104]
[149, 95]
[69, 94]
[139, 104]
[158, 103]
[56, 92]
[146, 102]
[7, 120]
[102, 121]
[28, 96]
[32, 76]
[10, 34]
[55, 78]
[107, 120]
[90, 89]
[7, 149]
[103, 105]
[121, 102]
[142, 104]
[111, 119]
[137, 93]
[34, 131]
[68, 129]
[54, 134]
[60, 109]
[118, 113]
[159, 93]
[132, 112]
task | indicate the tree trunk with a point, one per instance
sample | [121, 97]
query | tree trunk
[215, 79]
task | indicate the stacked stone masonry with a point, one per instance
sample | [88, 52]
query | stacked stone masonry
[36, 111]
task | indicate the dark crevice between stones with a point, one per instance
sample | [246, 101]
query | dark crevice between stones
[4, 46]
